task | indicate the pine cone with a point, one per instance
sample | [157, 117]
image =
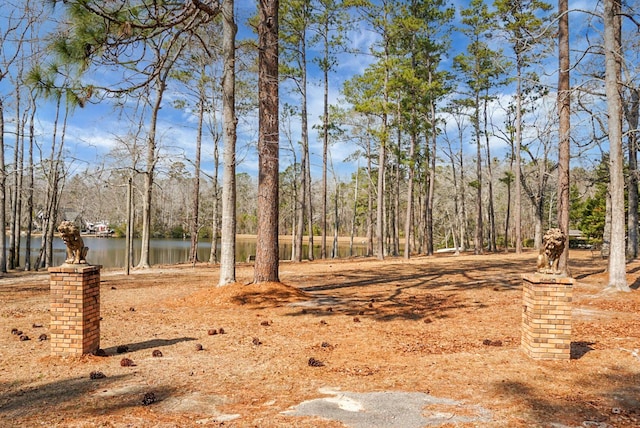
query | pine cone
[149, 398]
[315, 363]
[96, 375]
[126, 362]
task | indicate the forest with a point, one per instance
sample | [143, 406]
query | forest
[411, 125]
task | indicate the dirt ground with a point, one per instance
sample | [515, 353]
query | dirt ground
[447, 326]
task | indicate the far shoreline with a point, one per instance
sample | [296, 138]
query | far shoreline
[305, 239]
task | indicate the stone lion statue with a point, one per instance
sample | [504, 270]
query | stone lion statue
[76, 251]
[553, 243]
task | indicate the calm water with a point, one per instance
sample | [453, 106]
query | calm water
[110, 252]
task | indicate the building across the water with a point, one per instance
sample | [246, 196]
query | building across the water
[100, 230]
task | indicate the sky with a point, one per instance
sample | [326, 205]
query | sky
[93, 130]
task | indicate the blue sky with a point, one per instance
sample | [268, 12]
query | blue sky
[93, 130]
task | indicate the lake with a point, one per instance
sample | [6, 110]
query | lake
[110, 252]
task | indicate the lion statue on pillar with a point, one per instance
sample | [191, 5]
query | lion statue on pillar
[76, 251]
[553, 243]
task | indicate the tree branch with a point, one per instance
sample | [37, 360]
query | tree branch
[210, 10]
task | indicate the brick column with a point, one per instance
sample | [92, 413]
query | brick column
[75, 309]
[546, 317]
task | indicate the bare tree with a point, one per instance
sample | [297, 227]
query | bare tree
[632, 112]
[195, 201]
[3, 192]
[145, 47]
[18, 29]
[295, 18]
[456, 158]
[160, 85]
[30, 183]
[612, 46]
[536, 172]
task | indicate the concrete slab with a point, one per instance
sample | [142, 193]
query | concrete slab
[389, 409]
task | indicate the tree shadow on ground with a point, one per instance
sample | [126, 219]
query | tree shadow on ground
[262, 298]
[425, 275]
[410, 291]
[64, 397]
[421, 288]
[634, 269]
[580, 349]
[154, 343]
[615, 402]
[412, 307]
[13, 291]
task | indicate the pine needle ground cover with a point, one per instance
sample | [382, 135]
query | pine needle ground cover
[178, 351]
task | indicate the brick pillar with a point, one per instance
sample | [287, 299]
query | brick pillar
[75, 309]
[546, 316]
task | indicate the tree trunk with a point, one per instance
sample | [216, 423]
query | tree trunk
[19, 192]
[478, 237]
[605, 248]
[432, 182]
[336, 221]
[160, 86]
[267, 255]
[369, 201]
[149, 177]
[302, 191]
[409, 214]
[507, 216]
[564, 111]
[539, 220]
[30, 178]
[14, 191]
[457, 220]
[228, 235]
[396, 202]
[195, 198]
[303, 205]
[213, 254]
[612, 43]
[309, 204]
[325, 146]
[58, 175]
[308, 199]
[300, 204]
[518, 164]
[491, 213]
[382, 161]
[632, 112]
[380, 201]
[3, 193]
[355, 210]
[464, 235]
[48, 221]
